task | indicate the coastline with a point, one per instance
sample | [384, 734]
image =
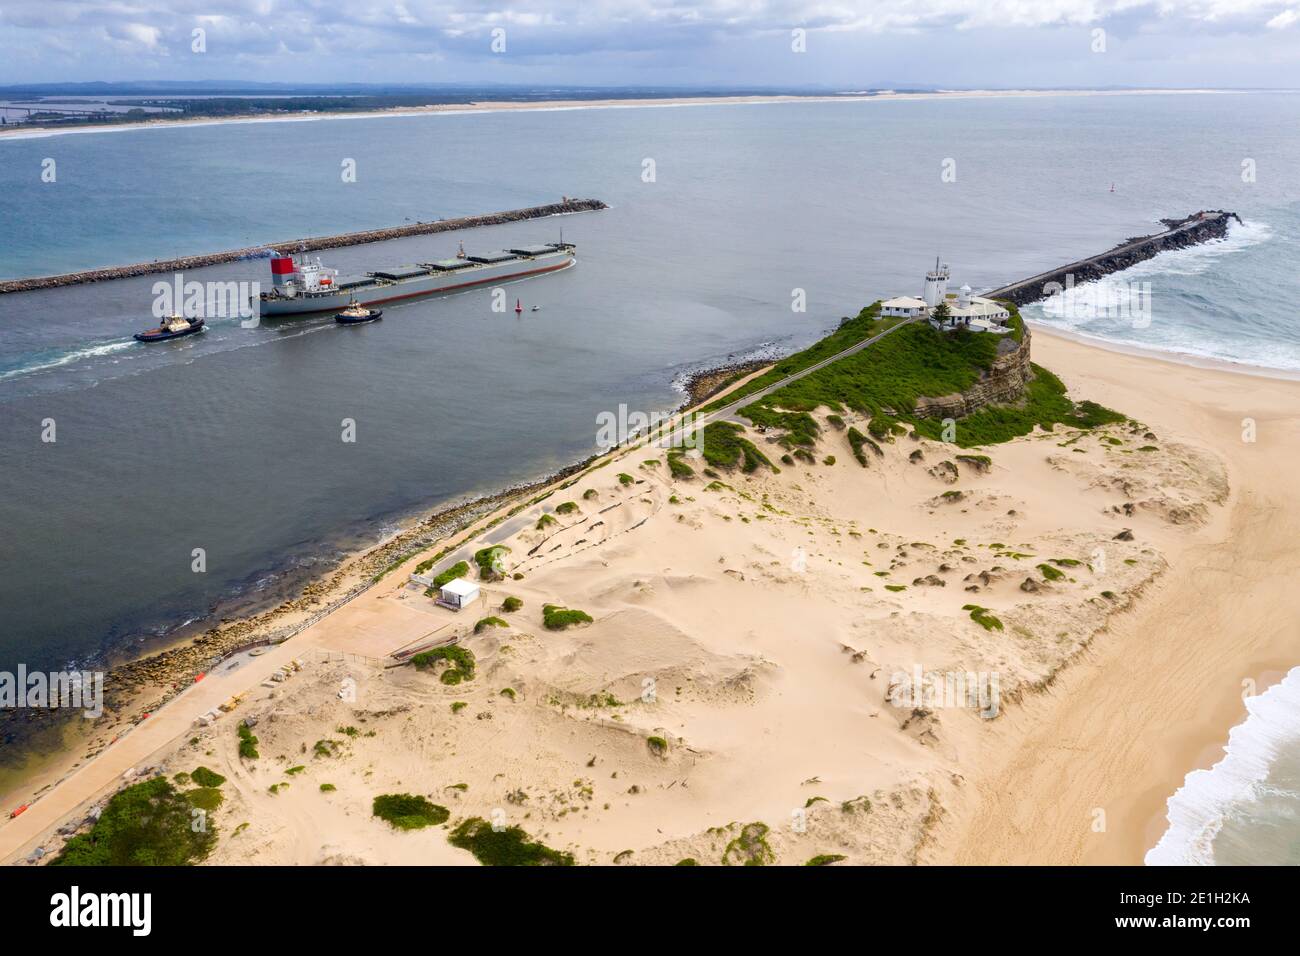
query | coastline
[1121, 724]
[1157, 693]
[496, 106]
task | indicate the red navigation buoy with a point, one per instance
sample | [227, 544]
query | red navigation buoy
[519, 306]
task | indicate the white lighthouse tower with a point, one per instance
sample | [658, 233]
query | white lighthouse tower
[936, 284]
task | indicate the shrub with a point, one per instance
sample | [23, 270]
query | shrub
[825, 859]
[146, 824]
[982, 617]
[1050, 573]
[658, 746]
[589, 494]
[725, 446]
[327, 788]
[247, 742]
[566, 507]
[507, 847]
[460, 659]
[545, 521]
[679, 468]
[625, 479]
[511, 604]
[486, 622]
[457, 570]
[556, 618]
[207, 778]
[749, 848]
[204, 798]
[404, 811]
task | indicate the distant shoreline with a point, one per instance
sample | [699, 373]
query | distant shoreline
[494, 106]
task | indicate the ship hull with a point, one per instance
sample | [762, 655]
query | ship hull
[434, 284]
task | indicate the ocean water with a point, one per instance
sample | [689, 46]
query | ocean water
[230, 441]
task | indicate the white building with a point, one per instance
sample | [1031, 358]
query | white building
[965, 310]
[907, 306]
[458, 594]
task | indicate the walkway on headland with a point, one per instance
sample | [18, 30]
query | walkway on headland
[566, 207]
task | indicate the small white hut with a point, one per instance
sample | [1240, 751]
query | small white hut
[458, 593]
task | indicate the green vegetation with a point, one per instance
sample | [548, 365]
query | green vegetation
[687, 861]
[484, 623]
[458, 705]
[556, 618]
[895, 587]
[625, 479]
[825, 859]
[725, 446]
[749, 848]
[545, 521]
[851, 331]
[507, 847]
[457, 570]
[508, 692]
[405, 811]
[886, 380]
[460, 659]
[294, 771]
[1050, 573]
[204, 798]
[981, 461]
[207, 778]
[679, 468]
[147, 824]
[658, 746]
[327, 788]
[489, 561]
[326, 748]
[828, 460]
[566, 508]
[247, 742]
[857, 441]
[982, 617]
[511, 604]
[589, 494]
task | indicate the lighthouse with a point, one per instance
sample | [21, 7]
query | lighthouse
[936, 284]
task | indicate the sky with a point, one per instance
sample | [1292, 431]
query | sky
[838, 44]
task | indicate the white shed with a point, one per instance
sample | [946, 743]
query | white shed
[458, 593]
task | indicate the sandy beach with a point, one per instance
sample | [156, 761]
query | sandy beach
[751, 638]
[544, 105]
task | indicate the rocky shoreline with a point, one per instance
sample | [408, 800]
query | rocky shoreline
[304, 245]
[702, 385]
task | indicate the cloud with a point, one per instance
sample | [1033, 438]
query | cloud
[294, 39]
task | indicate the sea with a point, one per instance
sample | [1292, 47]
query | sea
[146, 492]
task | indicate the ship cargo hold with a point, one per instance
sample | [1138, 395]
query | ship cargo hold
[302, 286]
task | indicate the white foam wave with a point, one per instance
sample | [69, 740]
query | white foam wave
[94, 351]
[1196, 812]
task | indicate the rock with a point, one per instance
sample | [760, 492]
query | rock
[1125, 535]
[930, 580]
[945, 471]
[916, 456]
[1030, 585]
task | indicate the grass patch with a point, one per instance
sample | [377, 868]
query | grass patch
[511, 604]
[457, 570]
[544, 522]
[404, 811]
[204, 798]
[679, 468]
[207, 778]
[490, 561]
[484, 623]
[658, 746]
[826, 859]
[146, 824]
[507, 847]
[982, 617]
[247, 742]
[725, 447]
[1050, 573]
[750, 848]
[625, 479]
[556, 618]
[460, 661]
[327, 788]
[566, 508]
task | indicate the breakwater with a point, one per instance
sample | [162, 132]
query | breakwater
[1178, 234]
[302, 245]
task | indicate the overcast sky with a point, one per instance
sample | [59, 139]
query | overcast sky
[850, 44]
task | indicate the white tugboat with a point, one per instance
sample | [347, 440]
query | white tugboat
[356, 313]
[175, 327]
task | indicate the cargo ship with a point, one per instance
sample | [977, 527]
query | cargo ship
[301, 286]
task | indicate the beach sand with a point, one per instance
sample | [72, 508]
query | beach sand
[503, 106]
[759, 627]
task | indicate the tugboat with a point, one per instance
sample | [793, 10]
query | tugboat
[176, 326]
[357, 313]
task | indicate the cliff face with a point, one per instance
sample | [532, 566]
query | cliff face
[1003, 383]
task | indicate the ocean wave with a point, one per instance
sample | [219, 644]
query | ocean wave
[1197, 811]
[76, 355]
